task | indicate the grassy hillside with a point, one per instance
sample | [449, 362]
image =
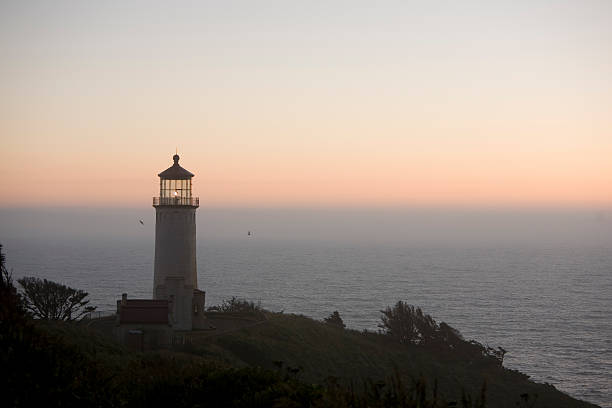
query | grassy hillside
[284, 361]
[320, 351]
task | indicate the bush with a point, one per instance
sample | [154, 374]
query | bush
[334, 319]
[237, 305]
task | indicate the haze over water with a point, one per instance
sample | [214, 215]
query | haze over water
[537, 283]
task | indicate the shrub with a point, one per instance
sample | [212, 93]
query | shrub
[334, 319]
[237, 305]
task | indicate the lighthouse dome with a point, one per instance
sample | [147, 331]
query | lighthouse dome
[175, 172]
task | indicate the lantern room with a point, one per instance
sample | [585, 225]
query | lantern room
[175, 186]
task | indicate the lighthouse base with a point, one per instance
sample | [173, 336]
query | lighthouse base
[187, 303]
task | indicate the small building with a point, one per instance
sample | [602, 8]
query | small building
[144, 324]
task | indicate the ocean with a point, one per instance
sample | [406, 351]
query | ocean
[538, 284]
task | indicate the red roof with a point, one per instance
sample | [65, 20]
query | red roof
[144, 311]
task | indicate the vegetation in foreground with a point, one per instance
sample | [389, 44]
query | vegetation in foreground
[291, 361]
[319, 352]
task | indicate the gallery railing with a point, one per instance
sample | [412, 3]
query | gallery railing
[191, 201]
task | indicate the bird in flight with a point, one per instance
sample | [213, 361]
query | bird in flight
[141, 222]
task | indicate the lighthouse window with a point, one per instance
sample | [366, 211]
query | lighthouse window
[175, 188]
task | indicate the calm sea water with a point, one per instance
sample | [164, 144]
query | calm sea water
[549, 305]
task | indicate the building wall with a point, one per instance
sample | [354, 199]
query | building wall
[175, 247]
[199, 320]
[181, 296]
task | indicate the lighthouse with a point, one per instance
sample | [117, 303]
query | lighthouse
[175, 276]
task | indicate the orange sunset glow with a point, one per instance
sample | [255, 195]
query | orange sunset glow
[323, 106]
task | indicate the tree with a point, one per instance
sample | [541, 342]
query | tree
[11, 305]
[334, 319]
[49, 300]
[408, 324]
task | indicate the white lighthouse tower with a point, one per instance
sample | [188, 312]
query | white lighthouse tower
[175, 274]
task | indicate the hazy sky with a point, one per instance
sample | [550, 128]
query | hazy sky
[307, 103]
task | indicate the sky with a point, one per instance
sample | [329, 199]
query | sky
[307, 104]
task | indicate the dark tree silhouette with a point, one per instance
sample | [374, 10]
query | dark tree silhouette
[498, 353]
[11, 304]
[334, 319]
[50, 300]
[408, 324]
